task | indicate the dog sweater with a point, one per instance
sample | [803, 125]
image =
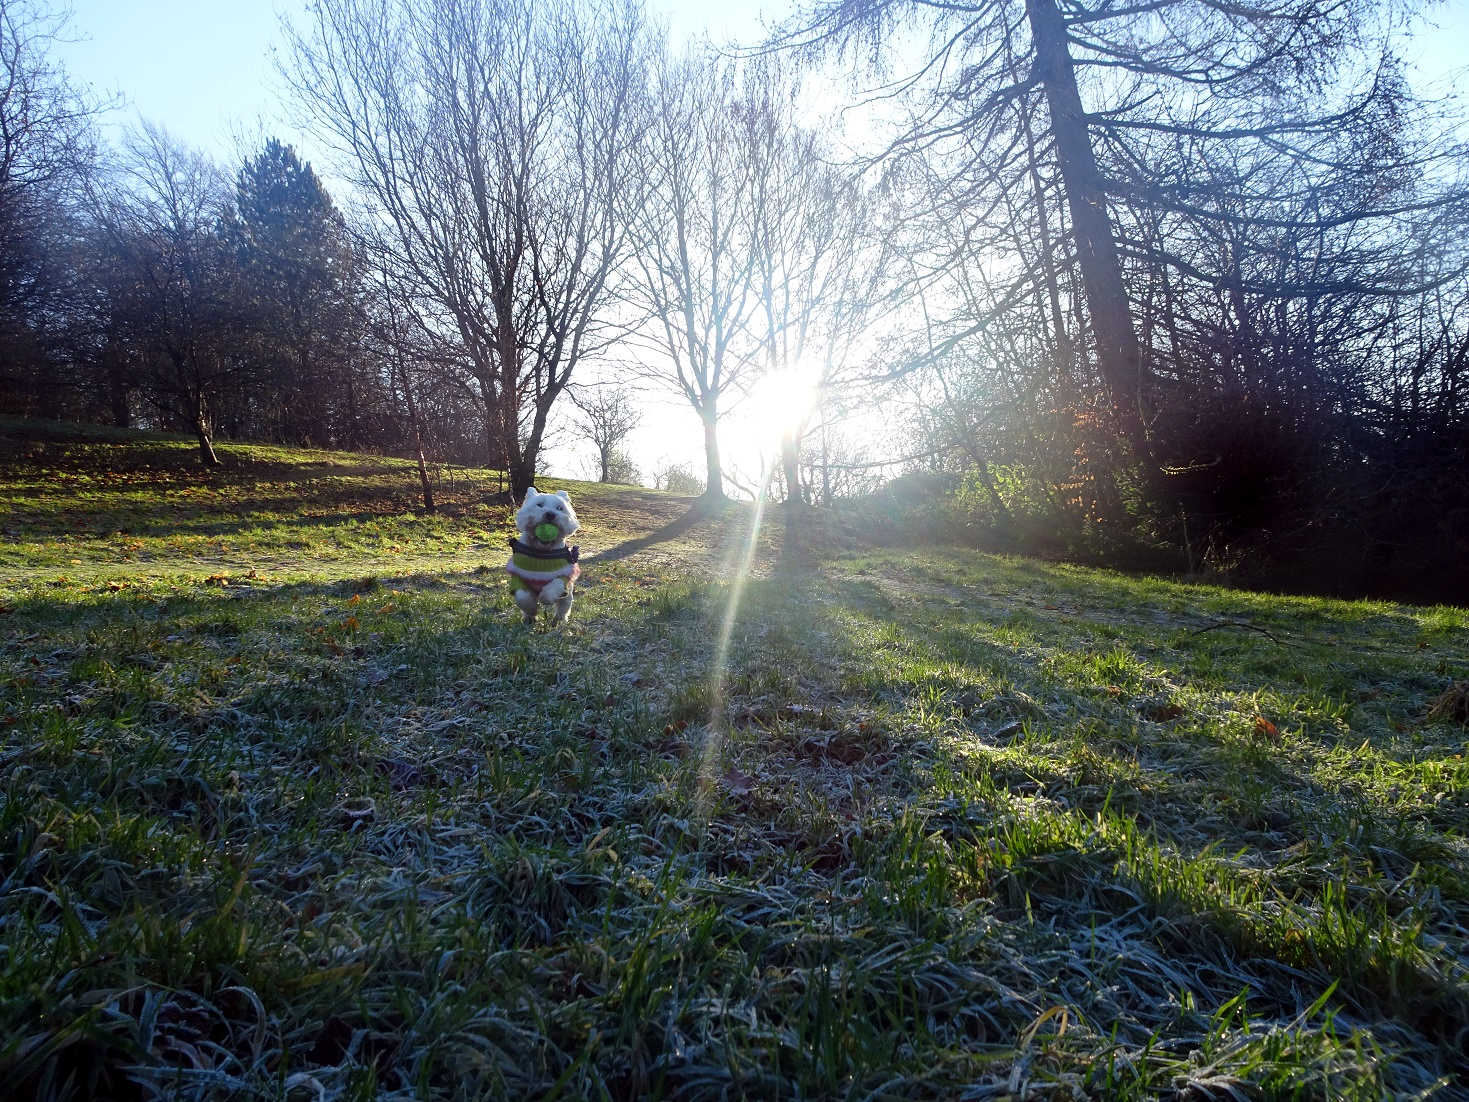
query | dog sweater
[533, 568]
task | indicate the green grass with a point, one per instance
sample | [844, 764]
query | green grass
[292, 807]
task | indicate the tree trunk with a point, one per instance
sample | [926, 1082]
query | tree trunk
[714, 472]
[982, 469]
[524, 456]
[117, 391]
[790, 463]
[352, 438]
[1119, 357]
[206, 443]
[825, 469]
[496, 456]
[522, 471]
[428, 492]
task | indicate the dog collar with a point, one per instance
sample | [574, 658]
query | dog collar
[567, 554]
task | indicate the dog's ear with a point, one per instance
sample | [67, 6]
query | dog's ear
[564, 496]
[530, 492]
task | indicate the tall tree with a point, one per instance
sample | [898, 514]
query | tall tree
[405, 345]
[493, 140]
[695, 238]
[820, 265]
[1080, 91]
[295, 256]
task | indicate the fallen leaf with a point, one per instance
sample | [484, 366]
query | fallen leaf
[738, 783]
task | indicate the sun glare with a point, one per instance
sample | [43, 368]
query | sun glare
[779, 403]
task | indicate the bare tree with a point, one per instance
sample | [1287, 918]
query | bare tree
[751, 246]
[173, 289]
[47, 152]
[837, 463]
[695, 233]
[821, 269]
[608, 418]
[493, 141]
[676, 478]
[405, 345]
[1071, 103]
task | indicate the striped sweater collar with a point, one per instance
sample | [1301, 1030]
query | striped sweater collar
[560, 552]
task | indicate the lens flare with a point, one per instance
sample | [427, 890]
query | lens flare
[718, 674]
[780, 403]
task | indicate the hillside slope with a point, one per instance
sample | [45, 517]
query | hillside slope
[291, 806]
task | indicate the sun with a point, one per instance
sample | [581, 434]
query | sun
[779, 403]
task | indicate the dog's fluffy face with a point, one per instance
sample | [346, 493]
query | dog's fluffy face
[539, 508]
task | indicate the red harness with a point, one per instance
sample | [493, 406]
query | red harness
[535, 585]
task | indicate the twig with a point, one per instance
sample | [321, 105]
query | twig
[1239, 624]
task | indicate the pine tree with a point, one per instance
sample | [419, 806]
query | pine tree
[293, 249]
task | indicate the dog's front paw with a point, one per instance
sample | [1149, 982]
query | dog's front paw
[525, 600]
[553, 591]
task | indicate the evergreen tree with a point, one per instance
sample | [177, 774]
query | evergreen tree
[293, 249]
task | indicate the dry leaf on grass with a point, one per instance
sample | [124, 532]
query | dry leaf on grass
[737, 783]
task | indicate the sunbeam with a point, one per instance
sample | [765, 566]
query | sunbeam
[718, 721]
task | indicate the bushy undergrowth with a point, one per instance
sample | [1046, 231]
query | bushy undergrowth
[309, 817]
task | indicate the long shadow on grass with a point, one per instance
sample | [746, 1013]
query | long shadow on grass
[1132, 747]
[672, 530]
[1186, 791]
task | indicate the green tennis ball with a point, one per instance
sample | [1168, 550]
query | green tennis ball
[547, 533]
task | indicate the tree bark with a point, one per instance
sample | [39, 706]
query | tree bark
[203, 432]
[1119, 357]
[428, 490]
[714, 472]
[522, 473]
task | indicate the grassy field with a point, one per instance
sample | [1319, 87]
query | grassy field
[292, 807]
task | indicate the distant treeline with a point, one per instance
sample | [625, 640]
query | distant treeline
[162, 294]
[1180, 285]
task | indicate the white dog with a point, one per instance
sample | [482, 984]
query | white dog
[542, 568]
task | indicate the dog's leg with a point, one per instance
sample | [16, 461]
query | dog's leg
[553, 591]
[563, 609]
[526, 600]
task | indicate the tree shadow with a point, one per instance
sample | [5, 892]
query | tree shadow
[679, 526]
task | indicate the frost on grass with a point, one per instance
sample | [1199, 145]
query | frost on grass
[946, 826]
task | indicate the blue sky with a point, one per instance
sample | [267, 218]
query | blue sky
[198, 68]
[204, 69]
